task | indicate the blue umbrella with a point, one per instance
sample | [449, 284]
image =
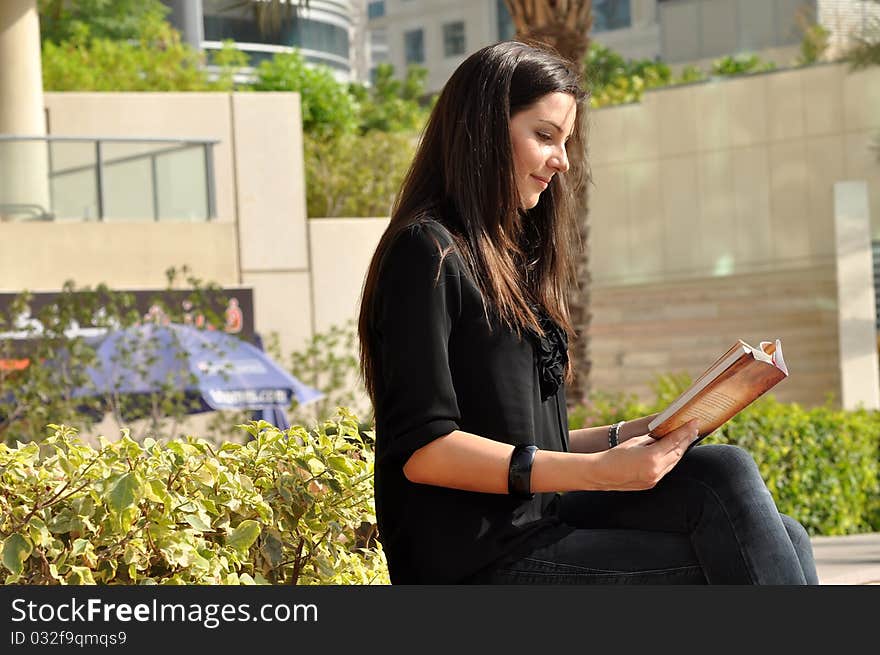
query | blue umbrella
[275, 415]
[219, 369]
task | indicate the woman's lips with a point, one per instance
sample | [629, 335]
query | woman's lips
[543, 182]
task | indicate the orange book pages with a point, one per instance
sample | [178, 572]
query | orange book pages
[724, 397]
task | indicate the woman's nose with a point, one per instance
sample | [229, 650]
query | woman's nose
[559, 161]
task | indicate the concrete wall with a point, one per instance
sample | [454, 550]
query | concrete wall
[258, 239]
[42, 256]
[270, 179]
[730, 176]
[157, 115]
[712, 219]
[341, 252]
[643, 330]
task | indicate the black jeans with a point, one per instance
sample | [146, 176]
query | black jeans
[711, 520]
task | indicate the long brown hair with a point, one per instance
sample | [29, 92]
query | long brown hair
[462, 175]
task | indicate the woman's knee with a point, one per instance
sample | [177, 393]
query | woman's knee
[724, 468]
[798, 534]
[721, 460]
[803, 546]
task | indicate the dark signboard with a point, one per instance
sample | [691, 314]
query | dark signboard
[230, 309]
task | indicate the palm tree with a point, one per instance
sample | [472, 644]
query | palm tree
[270, 14]
[565, 25]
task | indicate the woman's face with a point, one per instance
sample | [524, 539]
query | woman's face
[538, 135]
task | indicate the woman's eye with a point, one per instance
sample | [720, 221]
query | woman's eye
[544, 136]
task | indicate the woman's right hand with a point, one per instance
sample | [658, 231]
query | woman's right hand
[641, 462]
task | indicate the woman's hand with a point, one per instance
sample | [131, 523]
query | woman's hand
[640, 462]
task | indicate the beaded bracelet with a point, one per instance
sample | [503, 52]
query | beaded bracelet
[614, 433]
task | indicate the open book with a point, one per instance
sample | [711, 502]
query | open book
[739, 376]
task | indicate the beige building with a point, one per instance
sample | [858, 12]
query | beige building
[326, 32]
[438, 34]
[257, 237]
[716, 215]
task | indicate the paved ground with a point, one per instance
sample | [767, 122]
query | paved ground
[849, 560]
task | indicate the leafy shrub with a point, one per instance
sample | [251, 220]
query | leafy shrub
[392, 105]
[286, 508]
[159, 61]
[741, 65]
[355, 175]
[820, 464]
[328, 362]
[615, 80]
[327, 107]
[605, 408]
[46, 337]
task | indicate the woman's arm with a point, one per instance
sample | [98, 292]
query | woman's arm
[461, 460]
[595, 439]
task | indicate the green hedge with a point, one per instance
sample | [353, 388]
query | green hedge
[820, 463]
[293, 508]
[297, 507]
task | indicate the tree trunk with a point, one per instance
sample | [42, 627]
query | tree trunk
[565, 25]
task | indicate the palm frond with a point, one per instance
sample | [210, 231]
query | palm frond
[270, 15]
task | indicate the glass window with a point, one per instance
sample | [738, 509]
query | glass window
[376, 9]
[378, 38]
[414, 46]
[294, 32]
[505, 22]
[611, 15]
[453, 39]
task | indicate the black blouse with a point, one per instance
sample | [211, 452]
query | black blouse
[441, 368]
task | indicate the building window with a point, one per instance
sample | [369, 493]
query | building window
[295, 32]
[414, 46]
[505, 22]
[611, 15]
[376, 9]
[453, 39]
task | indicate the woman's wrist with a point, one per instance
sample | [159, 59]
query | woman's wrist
[634, 428]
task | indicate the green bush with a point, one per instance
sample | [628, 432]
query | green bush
[327, 108]
[158, 61]
[355, 175]
[743, 64]
[44, 331]
[283, 508]
[820, 463]
[615, 80]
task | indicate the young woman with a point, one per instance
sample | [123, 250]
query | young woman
[464, 332]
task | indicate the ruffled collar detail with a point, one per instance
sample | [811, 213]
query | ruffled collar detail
[551, 353]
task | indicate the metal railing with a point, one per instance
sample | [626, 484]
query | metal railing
[106, 178]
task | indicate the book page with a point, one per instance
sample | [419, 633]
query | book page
[738, 352]
[774, 349]
[739, 347]
[724, 397]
